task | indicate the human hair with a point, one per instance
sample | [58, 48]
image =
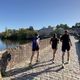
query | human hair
[36, 35]
[66, 32]
[54, 35]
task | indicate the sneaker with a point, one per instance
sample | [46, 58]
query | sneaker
[67, 62]
[52, 61]
[63, 65]
[37, 61]
[30, 65]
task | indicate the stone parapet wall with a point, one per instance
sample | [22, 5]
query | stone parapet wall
[23, 52]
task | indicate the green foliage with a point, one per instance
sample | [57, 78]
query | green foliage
[31, 28]
[60, 29]
[63, 26]
[20, 34]
[77, 25]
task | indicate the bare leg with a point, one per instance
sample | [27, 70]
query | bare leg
[54, 51]
[68, 56]
[37, 56]
[63, 59]
[32, 57]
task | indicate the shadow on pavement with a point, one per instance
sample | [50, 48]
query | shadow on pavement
[24, 69]
[31, 76]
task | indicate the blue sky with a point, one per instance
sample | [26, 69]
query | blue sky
[15, 14]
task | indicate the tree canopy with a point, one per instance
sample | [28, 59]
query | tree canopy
[18, 34]
[77, 25]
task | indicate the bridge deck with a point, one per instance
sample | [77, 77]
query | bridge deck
[46, 70]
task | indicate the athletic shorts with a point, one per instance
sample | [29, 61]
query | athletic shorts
[65, 47]
[36, 48]
[54, 46]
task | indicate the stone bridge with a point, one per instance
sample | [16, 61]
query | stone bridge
[18, 69]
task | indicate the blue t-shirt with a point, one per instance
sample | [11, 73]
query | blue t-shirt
[34, 42]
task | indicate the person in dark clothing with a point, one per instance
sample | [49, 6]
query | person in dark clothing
[66, 43]
[35, 47]
[54, 42]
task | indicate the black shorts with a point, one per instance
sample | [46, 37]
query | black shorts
[54, 46]
[35, 48]
[65, 47]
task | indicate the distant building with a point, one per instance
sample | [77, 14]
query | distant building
[45, 31]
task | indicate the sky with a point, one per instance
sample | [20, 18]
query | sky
[15, 14]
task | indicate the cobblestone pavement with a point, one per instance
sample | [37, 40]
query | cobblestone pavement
[45, 69]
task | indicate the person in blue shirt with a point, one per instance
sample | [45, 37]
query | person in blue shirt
[35, 48]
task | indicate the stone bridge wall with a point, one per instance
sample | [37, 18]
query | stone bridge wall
[23, 52]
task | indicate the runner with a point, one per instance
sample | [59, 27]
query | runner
[35, 47]
[54, 41]
[66, 43]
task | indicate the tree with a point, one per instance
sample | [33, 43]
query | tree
[77, 25]
[49, 26]
[21, 34]
[63, 26]
[31, 28]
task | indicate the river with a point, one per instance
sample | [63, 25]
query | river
[7, 44]
[11, 44]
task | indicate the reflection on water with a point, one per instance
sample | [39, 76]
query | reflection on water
[10, 44]
[7, 44]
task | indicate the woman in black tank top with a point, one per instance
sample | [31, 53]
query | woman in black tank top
[54, 43]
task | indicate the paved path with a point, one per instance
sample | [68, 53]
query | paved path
[46, 70]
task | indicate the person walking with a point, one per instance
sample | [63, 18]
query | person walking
[54, 42]
[66, 43]
[35, 48]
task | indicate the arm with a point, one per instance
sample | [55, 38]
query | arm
[70, 42]
[61, 38]
[51, 41]
[38, 42]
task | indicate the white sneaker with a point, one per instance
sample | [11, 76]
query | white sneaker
[62, 65]
[68, 61]
[52, 61]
